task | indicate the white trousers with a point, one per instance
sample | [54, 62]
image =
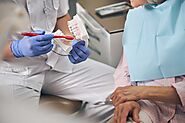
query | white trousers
[90, 82]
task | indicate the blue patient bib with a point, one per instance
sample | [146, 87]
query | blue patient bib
[154, 41]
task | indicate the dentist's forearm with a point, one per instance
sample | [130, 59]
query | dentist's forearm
[162, 94]
[8, 55]
[62, 24]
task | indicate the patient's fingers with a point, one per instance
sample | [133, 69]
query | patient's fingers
[120, 100]
[135, 115]
[115, 115]
[124, 115]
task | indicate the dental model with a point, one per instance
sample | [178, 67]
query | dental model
[77, 28]
[66, 45]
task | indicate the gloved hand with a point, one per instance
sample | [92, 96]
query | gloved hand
[79, 53]
[32, 46]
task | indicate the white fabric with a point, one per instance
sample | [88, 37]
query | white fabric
[43, 15]
[90, 81]
[144, 117]
[47, 10]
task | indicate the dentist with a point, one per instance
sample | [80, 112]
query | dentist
[33, 64]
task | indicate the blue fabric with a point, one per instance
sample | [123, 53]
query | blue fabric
[154, 41]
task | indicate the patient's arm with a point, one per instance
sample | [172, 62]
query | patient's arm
[163, 94]
[154, 93]
[137, 3]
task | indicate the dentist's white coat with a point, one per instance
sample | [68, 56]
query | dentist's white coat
[89, 81]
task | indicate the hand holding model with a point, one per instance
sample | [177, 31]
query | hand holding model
[32, 46]
[79, 53]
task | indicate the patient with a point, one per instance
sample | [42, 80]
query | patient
[151, 76]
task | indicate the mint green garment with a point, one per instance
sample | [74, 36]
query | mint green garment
[154, 41]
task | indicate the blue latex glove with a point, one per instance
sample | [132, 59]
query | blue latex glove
[32, 46]
[79, 53]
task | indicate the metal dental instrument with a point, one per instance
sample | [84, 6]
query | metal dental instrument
[108, 101]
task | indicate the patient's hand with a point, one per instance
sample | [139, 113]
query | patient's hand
[124, 109]
[137, 3]
[153, 93]
[128, 93]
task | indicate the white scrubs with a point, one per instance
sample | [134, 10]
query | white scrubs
[89, 81]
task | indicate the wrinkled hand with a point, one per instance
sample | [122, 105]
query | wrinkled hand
[128, 93]
[137, 3]
[124, 109]
[79, 53]
[32, 46]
